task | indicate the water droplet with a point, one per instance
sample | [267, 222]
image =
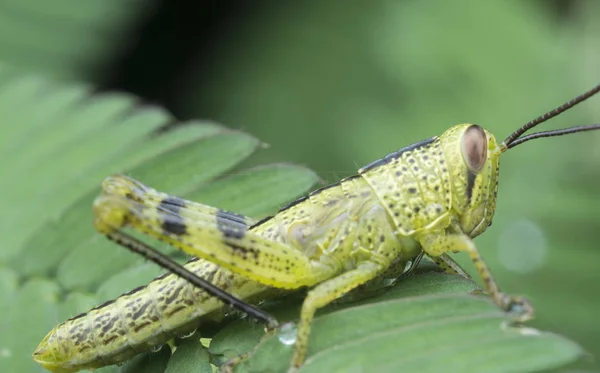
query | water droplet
[522, 247]
[155, 349]
[387, 282]
[407, 266]
[287, 334]
[529, 331]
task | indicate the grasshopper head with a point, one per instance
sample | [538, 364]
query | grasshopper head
[473, 157]
[473, 160]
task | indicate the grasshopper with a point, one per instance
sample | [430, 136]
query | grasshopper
[430, 198]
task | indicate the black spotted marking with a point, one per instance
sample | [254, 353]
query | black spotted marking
[224, 214]
[172, 203]
[330, 203]
[211, 276]
[232, 225]
[83, 335]
[174, 225]
[84, 348]
[105, 342]
[141, 326]
[167, 263]
[471, 176]
[140, 311]
[397, 154]
[171, 297]
[244, 251]
[173, 222]
[109, 325]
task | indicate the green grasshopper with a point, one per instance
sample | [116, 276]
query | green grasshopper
[432, 198]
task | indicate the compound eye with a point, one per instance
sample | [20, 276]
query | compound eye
[474, 147]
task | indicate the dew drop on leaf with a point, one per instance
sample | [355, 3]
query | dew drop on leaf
[287, 334]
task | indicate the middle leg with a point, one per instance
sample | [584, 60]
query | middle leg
[324, 294]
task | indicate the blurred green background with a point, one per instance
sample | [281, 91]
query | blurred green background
[334, 85]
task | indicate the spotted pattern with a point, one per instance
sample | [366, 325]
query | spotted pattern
[174, 223]
[374, 219]
[412, 185]
[232, 225]
[145, 317]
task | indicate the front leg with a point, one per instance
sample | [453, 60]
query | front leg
[438, 244]
[324, 294]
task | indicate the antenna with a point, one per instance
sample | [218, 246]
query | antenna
[511, 141]
[553, 133]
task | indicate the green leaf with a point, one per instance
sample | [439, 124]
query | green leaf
[147, 363]
[190, 356]
[269, 186]
[427, 323]
[50, 243]
[52, 263]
